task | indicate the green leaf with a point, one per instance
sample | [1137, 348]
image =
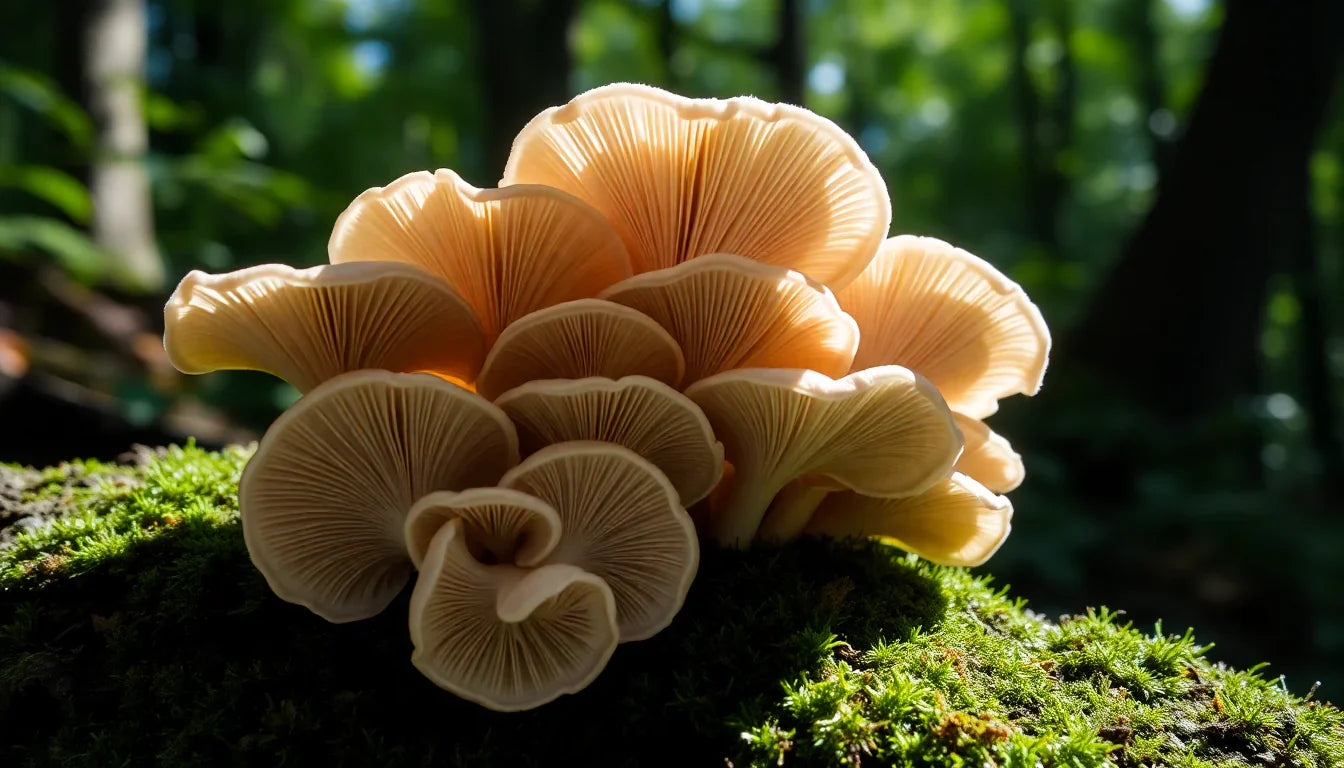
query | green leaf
[44, 97]
[77, 253]
[52, 186]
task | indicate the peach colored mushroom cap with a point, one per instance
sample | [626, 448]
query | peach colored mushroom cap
[505, 637]
[325, 497]
[883, 431]
[727, 312]
[577, 339]
[508, 252]
[950, 317]
[681, 178]
[620, 520]
[988, 458]
[957, 522]
[648, 417]
[308, 325]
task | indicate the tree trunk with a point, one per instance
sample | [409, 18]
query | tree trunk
[523, 61]
[790, 53]
[123, 212]
[1177, 322]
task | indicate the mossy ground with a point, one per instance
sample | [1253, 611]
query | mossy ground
[135, 631]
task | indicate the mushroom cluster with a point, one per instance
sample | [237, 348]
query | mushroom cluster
[673, 319]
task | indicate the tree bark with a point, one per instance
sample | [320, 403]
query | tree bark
[523, 61]
[115, 39]
[1177, 322]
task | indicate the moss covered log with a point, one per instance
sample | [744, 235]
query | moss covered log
[135, 631]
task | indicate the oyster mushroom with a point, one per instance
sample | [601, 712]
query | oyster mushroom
[883, 431]
[500, 525]
[620, 519]
[308, 325]
[576, 339]
[508, 252]
[988, 457]
[957, 522]
[681, 178]
[506, 637]
[324, 499]
[950, 317]
[648, 417]
[727, 312]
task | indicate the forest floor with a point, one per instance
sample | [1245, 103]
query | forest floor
[134, 630]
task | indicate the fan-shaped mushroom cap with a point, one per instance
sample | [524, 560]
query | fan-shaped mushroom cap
[506, 251]
[680, 178]
[576, 339]
[621, 520]
[505, 637]
[884, 431]
[308, 325]
[957, 522]
[951, 317]
[729, 312]
[988, 458]
[648, 417]
[325, 497]
[499, 525]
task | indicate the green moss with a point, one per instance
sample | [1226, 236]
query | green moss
[134, 630]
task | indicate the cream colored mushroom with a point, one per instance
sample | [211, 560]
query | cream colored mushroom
[576, 339]
[950, 317]
[988, 458]
[648, 417]
[508, 252]
[505, 637]
[324, 499]
[621, 520]
[681, 178]
[957, 522]
[884, 431]
[729, 312]
[500, 525]
[308, 325]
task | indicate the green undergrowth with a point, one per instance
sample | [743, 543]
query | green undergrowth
[135, 631]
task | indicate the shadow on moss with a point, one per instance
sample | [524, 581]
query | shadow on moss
[174, 651]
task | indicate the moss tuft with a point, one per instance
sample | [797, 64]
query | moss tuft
[135, 631]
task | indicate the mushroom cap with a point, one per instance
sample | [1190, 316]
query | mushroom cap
[988, 459]
[727, 312]
[507, 638]
[680, 178]
[324, 499]
[957, 522]
[621, 520]
[883, 431]
[506, 251]
[951, 317]
[308, 325]
[576, 339]
[499, 525]
[648, 417]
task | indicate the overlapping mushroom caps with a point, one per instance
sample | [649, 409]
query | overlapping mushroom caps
[647, 294]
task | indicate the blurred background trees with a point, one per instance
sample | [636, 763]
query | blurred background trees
[1165, 177]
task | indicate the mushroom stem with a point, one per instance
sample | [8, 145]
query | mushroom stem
[792, 510]
[736, 524]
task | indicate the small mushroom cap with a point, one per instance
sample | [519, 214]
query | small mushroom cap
[647, 416]
[988, 459]
[621, 520]
[957, 522]
[499, 525]
[950, 317]
[324, 499]
[308, 325]
[680, 178]
[506, 251]
[507, 638]
[576, 339]
[884, 432]
[727, 312]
